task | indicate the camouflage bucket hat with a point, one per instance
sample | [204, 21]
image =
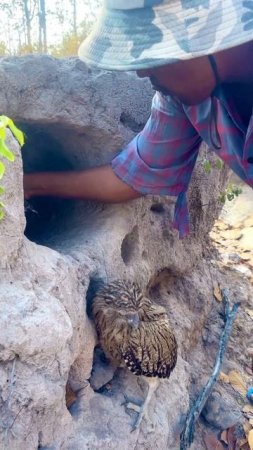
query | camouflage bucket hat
[139, 34]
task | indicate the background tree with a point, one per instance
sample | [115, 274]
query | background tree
[3, 49]
[56, 27]
[30, 7]
[42, 26]
[74, 11]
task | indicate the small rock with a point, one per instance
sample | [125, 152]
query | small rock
[220, 413]
[234, 257]
[230, 258]
[102, 371]
[243, 270]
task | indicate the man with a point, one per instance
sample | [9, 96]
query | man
[198, 56]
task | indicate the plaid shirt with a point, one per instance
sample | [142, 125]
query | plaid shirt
[161, 158]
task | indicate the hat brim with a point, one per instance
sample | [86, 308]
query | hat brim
[134, 39]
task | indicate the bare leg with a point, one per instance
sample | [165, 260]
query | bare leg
[142, 410]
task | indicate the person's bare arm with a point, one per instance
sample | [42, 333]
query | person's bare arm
[98, 183]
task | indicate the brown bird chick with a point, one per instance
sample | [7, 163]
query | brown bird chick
[135, 333]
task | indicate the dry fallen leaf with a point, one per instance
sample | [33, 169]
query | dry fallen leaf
[212, 442]
[248, 411]
[245, 256]
[250, 439]
[251, 422]
[217, 293]
[243, 443]
[247, 427]
[231, 436]
[245, 447]
[248, 415]
[237, 382]
[248, 408]
[221, 225]
[249, 312]
[224, 436]
[224, 377]
[71, 396]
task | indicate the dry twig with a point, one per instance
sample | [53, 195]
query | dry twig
[194, 412]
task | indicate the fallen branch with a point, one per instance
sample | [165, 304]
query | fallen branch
[194, 412]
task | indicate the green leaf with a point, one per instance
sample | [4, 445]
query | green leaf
[17, 133]
[4, 121]
[230, 196]
[2, 212]
[2, 133]
[2, 169]
[237, 190]
[219, 164]
[222, 197]
[4, 151]
[207, 166]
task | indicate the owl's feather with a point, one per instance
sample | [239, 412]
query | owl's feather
[133, 331]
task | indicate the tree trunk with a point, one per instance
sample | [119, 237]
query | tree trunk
[42, 26]
[28, 22]
[74, 18]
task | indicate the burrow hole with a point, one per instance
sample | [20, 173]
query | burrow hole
[130, 246]
[55, 147]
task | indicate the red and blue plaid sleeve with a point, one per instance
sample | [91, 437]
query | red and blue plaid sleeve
[161, 158]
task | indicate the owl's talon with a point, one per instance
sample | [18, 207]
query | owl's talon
[131, 405]
[137, 408]
[125, 402]
[138, 419]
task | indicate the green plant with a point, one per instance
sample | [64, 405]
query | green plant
[230, 193]
[208, 165]
[5, 152]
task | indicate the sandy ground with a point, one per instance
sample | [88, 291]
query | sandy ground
[233, 233]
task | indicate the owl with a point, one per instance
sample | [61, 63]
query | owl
[135, 333]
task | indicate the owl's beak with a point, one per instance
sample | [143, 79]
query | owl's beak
[133, 320]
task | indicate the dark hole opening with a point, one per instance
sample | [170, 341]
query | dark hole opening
[44, 152]
[157, 208]
[130, 246]
[96, 283]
